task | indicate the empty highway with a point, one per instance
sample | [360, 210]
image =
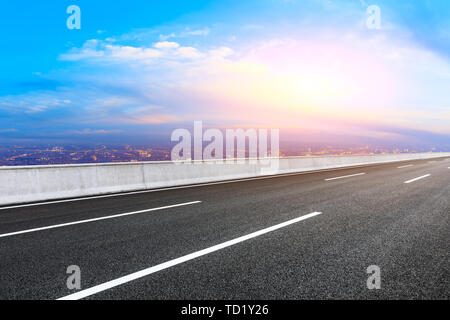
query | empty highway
[299, 236]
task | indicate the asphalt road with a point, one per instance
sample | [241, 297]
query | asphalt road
[208, 246]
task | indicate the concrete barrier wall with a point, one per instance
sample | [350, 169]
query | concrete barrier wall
[40, 183]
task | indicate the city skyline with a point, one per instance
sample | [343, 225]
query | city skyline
[54, 154]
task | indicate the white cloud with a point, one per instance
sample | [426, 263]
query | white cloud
[132, 53]
[221, 52]
[88, 51]
[8, 130]
[163, 37]
[166, 45]
[189, 53]
[81, 55]
[32, 103]
[93, 132]
[117, 101]
[155, 119]
[100, 51]
[200, 32]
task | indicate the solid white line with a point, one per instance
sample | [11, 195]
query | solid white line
[349, 176]
[407, 166]
[96, 219]
[415, 179]
[117, 282]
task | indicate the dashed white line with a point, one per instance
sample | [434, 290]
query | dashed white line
[95, 219]
[407, 166]
[419, 178]
[140, 274]
[349, 176]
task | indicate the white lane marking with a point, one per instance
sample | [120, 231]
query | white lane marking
[419, 178]
[407, 166]
[140, 274]
[349, 176]
[96, 219]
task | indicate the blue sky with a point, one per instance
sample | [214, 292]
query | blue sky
[137, 69]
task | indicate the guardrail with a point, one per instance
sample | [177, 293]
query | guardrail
[43, 183]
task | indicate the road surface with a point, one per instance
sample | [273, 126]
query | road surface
[301, 236]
